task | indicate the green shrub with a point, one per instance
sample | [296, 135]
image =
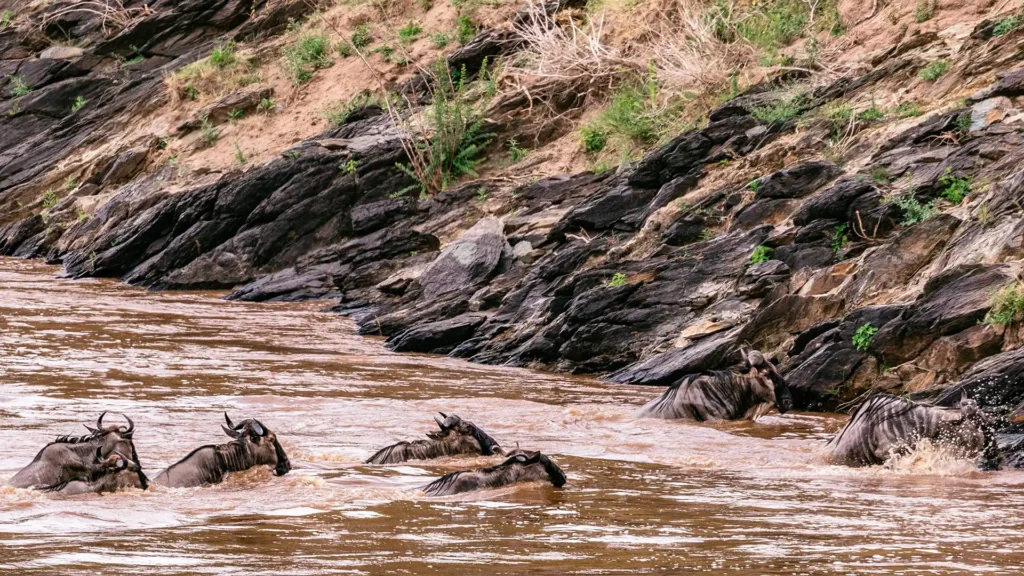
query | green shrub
[338, 112]
[880, 174]
[6, 19]
[593, 138]
[440, 39]
[409, 32]
[632, 114]
[934, 71]
[458, 138]
[862, 337]
[209, 132]
[515, 153]
[909, 110]
[618, 279]
[1007, 305]
[223, 55]
[761, 254]
[79, 103]
[1006, 25]
[51, 198]
[344, 49]
[465, 29]
[955, 188]
[924, 10]
[839, 238]
[913, 211]
[362, 36]
[309, 53]
[754, 185]
[17, 86]
[266, 105]
[779, 111]
[482, 194]
[873, 113]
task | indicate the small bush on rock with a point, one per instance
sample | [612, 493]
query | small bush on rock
[1007, 305]
[956, 188]
[1006, 25]
[862, 337]
[913, 211]
[309, 53]
[761, 254]
[934, 71]
[618, 279]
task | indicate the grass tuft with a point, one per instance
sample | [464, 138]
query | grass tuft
[956, 188]
[18, 87]
[1007, 305]
[1006, 25]
[361, 37]
[913, 211]
[310, 52]
[761, 254]
[409, 32]
[934, 70]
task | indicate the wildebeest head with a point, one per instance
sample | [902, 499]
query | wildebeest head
[755, 361]
[525, 458]
[260, 442]
[103, 467]
[454, 426]
[112, 438]
[520, 466]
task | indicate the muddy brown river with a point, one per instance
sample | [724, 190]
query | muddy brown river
[643, 496]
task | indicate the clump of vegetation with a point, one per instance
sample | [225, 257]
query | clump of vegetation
[962, 124]
[1006, 25]
[839, 238]
[1007, 305]
[267, 106]
[955, 188]
[482, 194]
[618, 279]
[880, 174]
[51, 198]
[351, 165]
[235, 115]
[440, 39]
[240, 156]
[593, 138]
[209, 132]
[344, 49]
[310, 52]
[458, 140]
[361, 36]
[777, 23]
[761, 254]
[871, 114]
[6, 19]
[862, 337]
[465, 29]
[754, 185]
[409, 32]
[913, 211]
[924, 10]
[634, 120]
[224, 55]
[338, 112]
[909, 110]
[515, 153]
[934, 70]
[17, 86]
[79, 103]
[780, 110]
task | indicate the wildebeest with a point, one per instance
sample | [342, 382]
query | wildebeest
[253, 445]
[886, 425]
[70, 457]
[110, 474]
[746, 390]
[457, 436]
[520, 466]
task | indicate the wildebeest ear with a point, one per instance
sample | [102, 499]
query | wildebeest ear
[230, 432]
[99, 454]
[532, 457]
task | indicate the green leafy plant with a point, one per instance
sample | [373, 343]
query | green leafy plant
[409, 32]
[872, 113]
[240, 156]
[924, 10]
[344, 49]
[1006, 25]
[223, 55]
[909, 110]
[235, 115]
[266, 105]
[862, 337]
[162, 142]
[934, 70]
[962, 124]
[338, 112]
[1007, 305]
[618, 279]
[70, 183]
[79, 103]
[6, 19]
[955, 188]
[51, 198]
[465, 29]
[761, 254]
[593, 139]
[362, 36]
[482, 194]
[209, 132]
[779, 110]
[754, 185]
[839, 238]
[880, 174]
[440, 39]
[17, 86]
[191, 92]
[913, 211]
[310, 52]
[351, 165]
[81, 215]
[515, 153]
[458, 140]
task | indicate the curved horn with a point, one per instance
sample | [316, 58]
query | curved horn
[230, 432]
[131, 426]
[91, 429]
[258, 428]
[99, 421]
[440, 424]
[228, 420]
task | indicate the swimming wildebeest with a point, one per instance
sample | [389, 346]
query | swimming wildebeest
[110, 474]
[253, 445]
[746, 390]
[521, 466]
[886, 425]
[71, 457]
[457, 436]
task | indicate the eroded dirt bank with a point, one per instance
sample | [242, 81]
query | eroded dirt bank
[861, 222]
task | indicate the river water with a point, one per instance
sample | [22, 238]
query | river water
[643, 496]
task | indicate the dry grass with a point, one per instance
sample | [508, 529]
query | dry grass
[114, 15]
[211, 78]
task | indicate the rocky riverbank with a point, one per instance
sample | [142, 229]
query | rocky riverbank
[863, 249]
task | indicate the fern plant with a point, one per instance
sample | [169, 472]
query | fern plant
[458, 140]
